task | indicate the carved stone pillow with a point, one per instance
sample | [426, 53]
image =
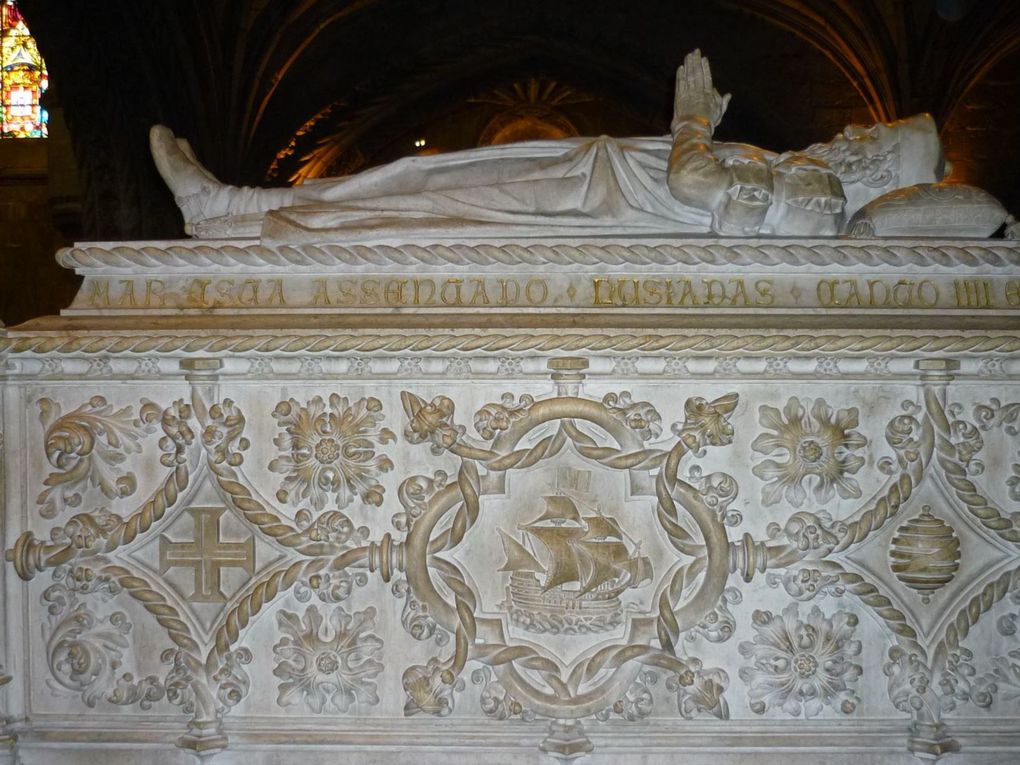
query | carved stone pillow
[930, 209]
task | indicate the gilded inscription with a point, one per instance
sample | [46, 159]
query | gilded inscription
[606, 291]
[681, 291]
[452, 292]
[877, 293]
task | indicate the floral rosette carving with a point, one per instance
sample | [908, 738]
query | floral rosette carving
[639, 416]
[329, 670]
[87, 446]
[328, 450]
[493, 418]
[819, 446]
[802, 666]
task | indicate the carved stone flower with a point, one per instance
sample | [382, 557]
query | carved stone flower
[431, 422]
[802, 666]
[330, 451]
[819, 450]
[329, 669]
[706, 422]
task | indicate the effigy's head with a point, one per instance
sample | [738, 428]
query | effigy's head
[870, 160]
[748, 196]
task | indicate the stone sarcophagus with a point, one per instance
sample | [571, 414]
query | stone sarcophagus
[502, 500]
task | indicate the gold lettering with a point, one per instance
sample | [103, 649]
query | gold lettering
[739, 293]
[933, 289]
[346, 287]
[394, 292]
[481, 295]
[154, 290]
[653, 294]
[826, 292]
[248, 292]
[99, 293]
[873, 299]
[444, 292]
[127, 293]
[539, 295]
[1012, 294]
[224, 288]
[196, 296]
[766, 295]
[429, 299]
[276, 296]
[321, 296]
[688, 292]
[903, 293]
[972, 293]
[601, 299]
[715, 291]
[370, 292]
[504, 294]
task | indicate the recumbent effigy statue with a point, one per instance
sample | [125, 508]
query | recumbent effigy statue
[879, 180]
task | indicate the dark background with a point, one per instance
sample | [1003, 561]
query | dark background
[272, 91]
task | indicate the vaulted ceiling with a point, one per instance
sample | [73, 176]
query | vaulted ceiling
[269, 91]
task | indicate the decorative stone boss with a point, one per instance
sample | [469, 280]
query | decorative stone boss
[878, 180]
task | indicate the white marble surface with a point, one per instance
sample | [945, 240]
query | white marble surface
[251, 542]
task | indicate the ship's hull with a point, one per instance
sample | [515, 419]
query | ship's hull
[560, 611]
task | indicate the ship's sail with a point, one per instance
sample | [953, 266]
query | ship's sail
[640, 569]
[517, 556]
[559, 540]
[606, 559]
[586, 549]
[558, 508]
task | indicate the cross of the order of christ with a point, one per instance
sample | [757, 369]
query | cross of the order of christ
[206, 554]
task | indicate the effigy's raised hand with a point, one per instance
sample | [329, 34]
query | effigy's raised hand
[695, 96]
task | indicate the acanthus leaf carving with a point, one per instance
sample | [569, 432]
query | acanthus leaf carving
[86, 446]
[495, 701]
[86, 651]
[415, 616]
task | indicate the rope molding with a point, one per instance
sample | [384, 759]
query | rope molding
[522, 342]
[317, 257]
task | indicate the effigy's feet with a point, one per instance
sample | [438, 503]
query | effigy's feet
[191, 184]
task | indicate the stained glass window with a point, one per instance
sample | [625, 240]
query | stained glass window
[23, 78]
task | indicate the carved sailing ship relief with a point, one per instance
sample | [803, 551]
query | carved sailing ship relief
[569, 568]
